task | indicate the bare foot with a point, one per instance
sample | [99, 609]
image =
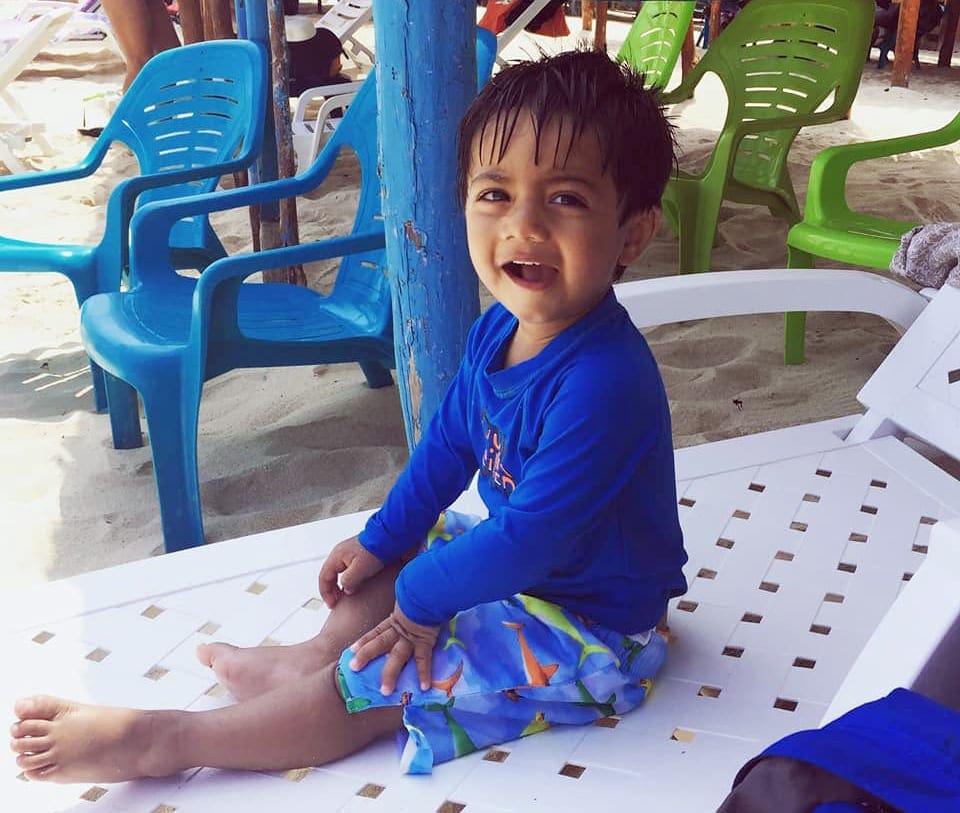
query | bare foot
[250, 672]
[61, 741]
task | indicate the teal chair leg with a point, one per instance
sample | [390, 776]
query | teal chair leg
[124, 413]
[795, 322]
[83, 290]
[377, 375]
[172, 427]
[99, 387]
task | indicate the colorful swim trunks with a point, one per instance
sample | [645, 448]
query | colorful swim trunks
[506, 669]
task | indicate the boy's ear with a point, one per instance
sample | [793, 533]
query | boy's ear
[638, 232]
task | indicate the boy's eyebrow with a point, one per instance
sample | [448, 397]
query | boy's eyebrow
[497, 175]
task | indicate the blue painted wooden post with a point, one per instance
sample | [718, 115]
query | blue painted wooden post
[426, 78]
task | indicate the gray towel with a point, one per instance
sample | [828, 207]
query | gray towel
[929, 255]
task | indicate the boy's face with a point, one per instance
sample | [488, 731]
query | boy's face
[546, 238]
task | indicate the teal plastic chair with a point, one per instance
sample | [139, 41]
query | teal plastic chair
[779, 61]
[192, 114]
[655, 39]
[830, 229]
[169, 333]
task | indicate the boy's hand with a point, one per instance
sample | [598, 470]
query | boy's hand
[400, 638]
[347, 567]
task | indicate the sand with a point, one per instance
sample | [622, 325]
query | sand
[283, 446]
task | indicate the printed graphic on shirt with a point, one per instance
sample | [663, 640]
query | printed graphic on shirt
[492, 463]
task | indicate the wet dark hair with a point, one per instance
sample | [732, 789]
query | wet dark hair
[590, 92]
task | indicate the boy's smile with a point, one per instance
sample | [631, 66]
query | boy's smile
[544, 231]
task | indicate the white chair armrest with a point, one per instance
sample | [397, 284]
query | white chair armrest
[663, 300]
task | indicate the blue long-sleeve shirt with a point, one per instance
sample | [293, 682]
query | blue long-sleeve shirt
[576, 467]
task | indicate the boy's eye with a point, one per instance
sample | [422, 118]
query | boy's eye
[492, 195]
[568, 199]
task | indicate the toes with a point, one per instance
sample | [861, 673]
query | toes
[208, 653]
[30, 728]
[34, 762]
[43, 773]
[38, 707]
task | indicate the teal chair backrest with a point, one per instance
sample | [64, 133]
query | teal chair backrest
[191, 108]
[362, 278]
[781, 58]
[655, 39]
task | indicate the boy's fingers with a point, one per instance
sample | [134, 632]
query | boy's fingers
[397, 658]
[329, 590]
[371, 645]
[424, 660]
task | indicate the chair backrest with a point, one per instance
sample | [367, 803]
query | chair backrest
[654, 40]
[344, 18]
[917, 387]
[362, 280]
[199, 105]
[362, 287]
[786, 57]
[28, 39]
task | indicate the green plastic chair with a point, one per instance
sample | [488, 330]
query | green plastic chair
[655, 39]
[832, 230]
[779, 61]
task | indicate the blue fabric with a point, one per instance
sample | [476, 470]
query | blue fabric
[575, 455]
[903, 748]
[503, 670]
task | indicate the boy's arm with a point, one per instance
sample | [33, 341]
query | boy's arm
[439, 469]
[596, 435]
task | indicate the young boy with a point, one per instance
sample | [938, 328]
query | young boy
[541, 614]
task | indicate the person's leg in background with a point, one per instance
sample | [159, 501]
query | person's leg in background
[143, 28]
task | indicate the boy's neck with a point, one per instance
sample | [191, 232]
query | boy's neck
[522, 346]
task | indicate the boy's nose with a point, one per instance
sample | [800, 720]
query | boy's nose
[526, 222]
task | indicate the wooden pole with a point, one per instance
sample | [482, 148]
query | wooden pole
[600, 36]
[221, 23]
[586, 15]
[906, 39]
[191, 21]
[715, 7]
[688, 52]
[426, 77]
[284, 230]
[948, 33]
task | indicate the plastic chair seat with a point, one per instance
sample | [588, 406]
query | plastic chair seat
[137, 326]
[857, 240]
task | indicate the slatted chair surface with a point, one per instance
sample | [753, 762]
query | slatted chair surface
[800, 542]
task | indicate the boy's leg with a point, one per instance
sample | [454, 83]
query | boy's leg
[296, 725]
[246, 673]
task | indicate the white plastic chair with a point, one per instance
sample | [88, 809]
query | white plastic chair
[20, 42]
[344, 19]
[824, 570]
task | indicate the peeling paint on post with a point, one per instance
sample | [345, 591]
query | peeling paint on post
[426, 53]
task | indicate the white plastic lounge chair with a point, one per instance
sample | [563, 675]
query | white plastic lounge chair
[20, 42]
[343, 19]
[87, 22]
[802, 543]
